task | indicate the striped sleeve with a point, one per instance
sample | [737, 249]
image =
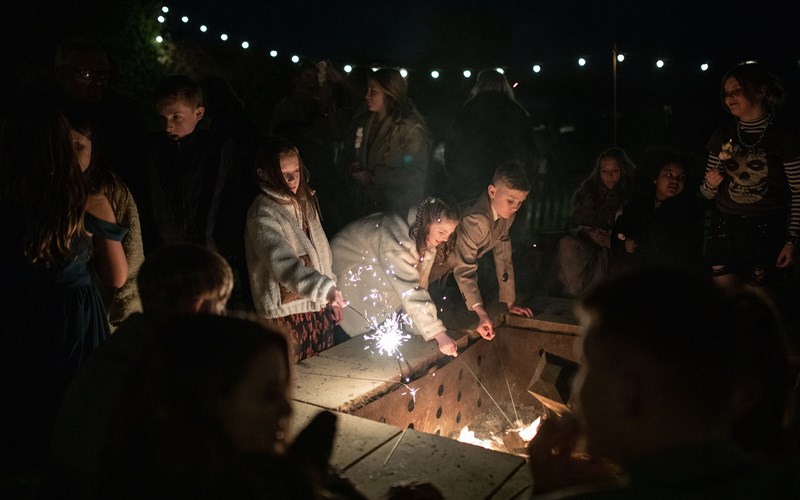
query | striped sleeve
[712, 163]
[792, 169]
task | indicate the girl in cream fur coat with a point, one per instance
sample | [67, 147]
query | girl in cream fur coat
[288, 255]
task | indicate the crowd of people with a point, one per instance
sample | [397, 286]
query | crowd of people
[125, 247]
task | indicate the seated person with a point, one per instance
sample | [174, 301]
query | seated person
[180, 279]
[584, 254]
[663, 222]
[659, 392]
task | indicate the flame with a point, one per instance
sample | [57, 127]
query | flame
[468, 436]
[526, 432]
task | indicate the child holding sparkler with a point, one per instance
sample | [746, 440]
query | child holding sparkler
[384, 261]
[485, 228]
[288, 255]
[753, 176]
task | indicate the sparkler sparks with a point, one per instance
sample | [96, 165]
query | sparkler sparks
[389, 335]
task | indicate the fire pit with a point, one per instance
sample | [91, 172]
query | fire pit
[479, 397]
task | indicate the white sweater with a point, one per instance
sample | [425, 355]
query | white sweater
[380, 273]
[274, 243]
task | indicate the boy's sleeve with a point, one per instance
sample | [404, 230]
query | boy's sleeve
[473, 235]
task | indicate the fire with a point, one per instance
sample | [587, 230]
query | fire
[496, 442]
[468, 436]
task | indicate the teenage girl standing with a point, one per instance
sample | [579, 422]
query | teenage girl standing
[753, 174]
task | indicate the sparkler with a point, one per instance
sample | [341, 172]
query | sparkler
[388, 336]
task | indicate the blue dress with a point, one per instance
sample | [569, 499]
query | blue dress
[51, 319]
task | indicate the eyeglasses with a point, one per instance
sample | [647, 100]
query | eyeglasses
[90, 75]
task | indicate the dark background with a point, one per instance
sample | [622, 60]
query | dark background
[676, 105]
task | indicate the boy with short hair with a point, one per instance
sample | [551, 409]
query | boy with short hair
[177, 280]
[484, 228]
[194, 179]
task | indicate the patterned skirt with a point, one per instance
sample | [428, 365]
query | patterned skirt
[308, 333]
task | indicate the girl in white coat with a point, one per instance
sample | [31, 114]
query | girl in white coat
[288, 255]
[384, 261]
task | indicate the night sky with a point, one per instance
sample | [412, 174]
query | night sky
[473, 33]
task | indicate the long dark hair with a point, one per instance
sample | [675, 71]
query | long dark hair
[268, 158]
[429, 211]
[100, 178]
[39, 174]
[398, 105]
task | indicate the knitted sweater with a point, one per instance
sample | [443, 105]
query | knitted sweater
[275, 245]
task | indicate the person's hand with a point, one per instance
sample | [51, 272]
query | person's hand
[713, 178]
[520, 311]
[485, 325]
[98, 205]
[337, 304]
[362, 176]
[786, 257]
[554, 463]
[446, 344]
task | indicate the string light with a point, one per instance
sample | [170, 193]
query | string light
[404, 72]
[435, 74]
[159, 39]
[347, 68]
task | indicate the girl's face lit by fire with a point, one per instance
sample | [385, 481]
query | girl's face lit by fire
[440, 231]
[610, 172]
[82, 146]
[290, 169]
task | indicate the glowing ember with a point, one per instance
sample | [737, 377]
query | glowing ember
[497, 442]
[529, 432]
[389, 335]
[468, 436]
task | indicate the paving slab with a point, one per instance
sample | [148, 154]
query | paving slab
[517, 487]
[459, 470]
[360, 354]
[355, 437]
